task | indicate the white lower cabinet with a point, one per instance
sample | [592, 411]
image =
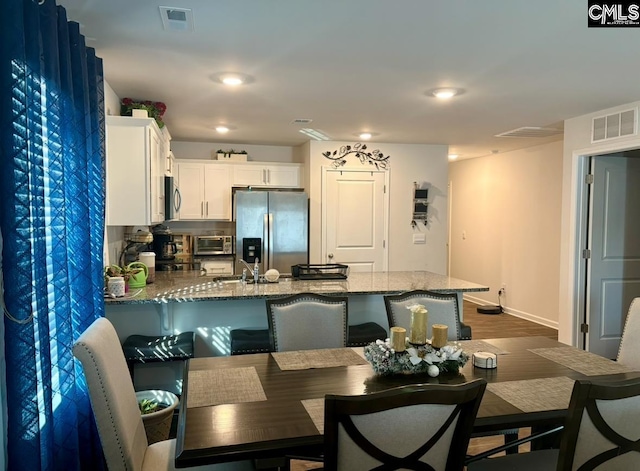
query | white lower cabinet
[267, 175]
[206, 191]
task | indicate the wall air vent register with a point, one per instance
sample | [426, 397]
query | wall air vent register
[615, 125]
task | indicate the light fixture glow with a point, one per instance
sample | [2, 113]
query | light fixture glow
[232, 80]
[315, 134]
[453, 156]
[222, 129]
[444, 93]
[365, 135]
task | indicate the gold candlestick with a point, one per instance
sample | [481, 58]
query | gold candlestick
[398, 338]
[440, 335]
[418, 325]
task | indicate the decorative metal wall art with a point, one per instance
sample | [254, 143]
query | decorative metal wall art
[375, 157]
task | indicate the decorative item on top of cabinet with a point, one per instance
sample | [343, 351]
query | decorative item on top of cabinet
[231, 155]
[154, 109]
[135, 167]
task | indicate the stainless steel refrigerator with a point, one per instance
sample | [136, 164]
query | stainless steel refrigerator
[272, 226]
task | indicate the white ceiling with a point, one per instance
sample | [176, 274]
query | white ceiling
[365, 65]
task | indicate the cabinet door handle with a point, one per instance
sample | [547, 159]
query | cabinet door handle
[264, 175]
[268, 172]
[202, 208]
[207, 209]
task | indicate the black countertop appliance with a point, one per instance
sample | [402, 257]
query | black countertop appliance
[164, 248]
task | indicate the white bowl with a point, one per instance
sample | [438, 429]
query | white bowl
[272, 275]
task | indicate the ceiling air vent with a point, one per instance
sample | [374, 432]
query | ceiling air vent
[176, 19]
[530, 131]
[615, 125]
[301, 121]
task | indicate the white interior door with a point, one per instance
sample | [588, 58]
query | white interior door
[354, 205]
[614, 240]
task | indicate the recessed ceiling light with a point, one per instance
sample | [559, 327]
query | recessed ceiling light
[445, 93]
[365, 136]
[232, 79]
[222, 129]
[453, 156]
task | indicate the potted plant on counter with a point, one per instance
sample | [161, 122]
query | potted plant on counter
[126, 272]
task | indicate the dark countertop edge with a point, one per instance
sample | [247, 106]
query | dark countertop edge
[167, 300]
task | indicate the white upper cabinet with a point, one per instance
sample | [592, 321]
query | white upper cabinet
[267, 175]
[135, 167]
[205, 189]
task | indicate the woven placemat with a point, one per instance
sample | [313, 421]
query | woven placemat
[323, 358]
[584, 362]
[533, 395]
[315, 409]
[224, 386]
[472, 346]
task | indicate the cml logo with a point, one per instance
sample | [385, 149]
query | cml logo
[614, 14]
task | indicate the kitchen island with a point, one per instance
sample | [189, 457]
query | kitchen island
[187, 301]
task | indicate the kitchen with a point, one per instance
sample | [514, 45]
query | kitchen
[503, 259]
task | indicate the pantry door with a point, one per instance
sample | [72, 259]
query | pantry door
[355, 207]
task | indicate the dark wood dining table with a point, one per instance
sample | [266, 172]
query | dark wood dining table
[530, 387]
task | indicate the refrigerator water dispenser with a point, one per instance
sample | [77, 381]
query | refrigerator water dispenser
[251, 249]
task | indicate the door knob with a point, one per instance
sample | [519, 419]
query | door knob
[330, 255]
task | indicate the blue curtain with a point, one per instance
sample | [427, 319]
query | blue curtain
[51, 218]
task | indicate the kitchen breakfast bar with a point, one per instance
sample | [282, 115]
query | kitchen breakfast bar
[212, 307]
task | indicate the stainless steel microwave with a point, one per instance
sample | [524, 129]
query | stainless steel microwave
[213, 245]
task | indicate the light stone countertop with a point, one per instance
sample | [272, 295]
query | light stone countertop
[190, 286]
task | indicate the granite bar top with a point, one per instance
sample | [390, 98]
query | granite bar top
[189, 286]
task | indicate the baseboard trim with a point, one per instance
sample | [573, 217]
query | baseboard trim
[514, 312]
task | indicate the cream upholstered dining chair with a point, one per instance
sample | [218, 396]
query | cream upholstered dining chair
[113, 399]
[443, 309]
[602, 431]
[424, 426]
[629, 351]
[307, 321]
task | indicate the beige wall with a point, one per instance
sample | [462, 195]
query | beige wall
[425, 164]
[577, 146]
[204, 150]
[505, 228]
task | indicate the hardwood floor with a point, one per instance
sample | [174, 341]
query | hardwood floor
[483, 326]
[486, 326]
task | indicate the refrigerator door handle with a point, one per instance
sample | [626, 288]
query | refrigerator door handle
[266, 242]
[271, 263]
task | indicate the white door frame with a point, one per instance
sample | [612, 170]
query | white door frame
[385, 216]
[572, 270]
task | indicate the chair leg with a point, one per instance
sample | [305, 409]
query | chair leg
[508, 439]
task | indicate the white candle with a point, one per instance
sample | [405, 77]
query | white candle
[440, 335]
[418, 325]
[398, 338]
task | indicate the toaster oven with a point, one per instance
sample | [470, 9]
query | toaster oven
[213, 245]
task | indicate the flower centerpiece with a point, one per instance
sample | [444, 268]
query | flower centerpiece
[155, 109]
[416, 354]
[415, 359]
